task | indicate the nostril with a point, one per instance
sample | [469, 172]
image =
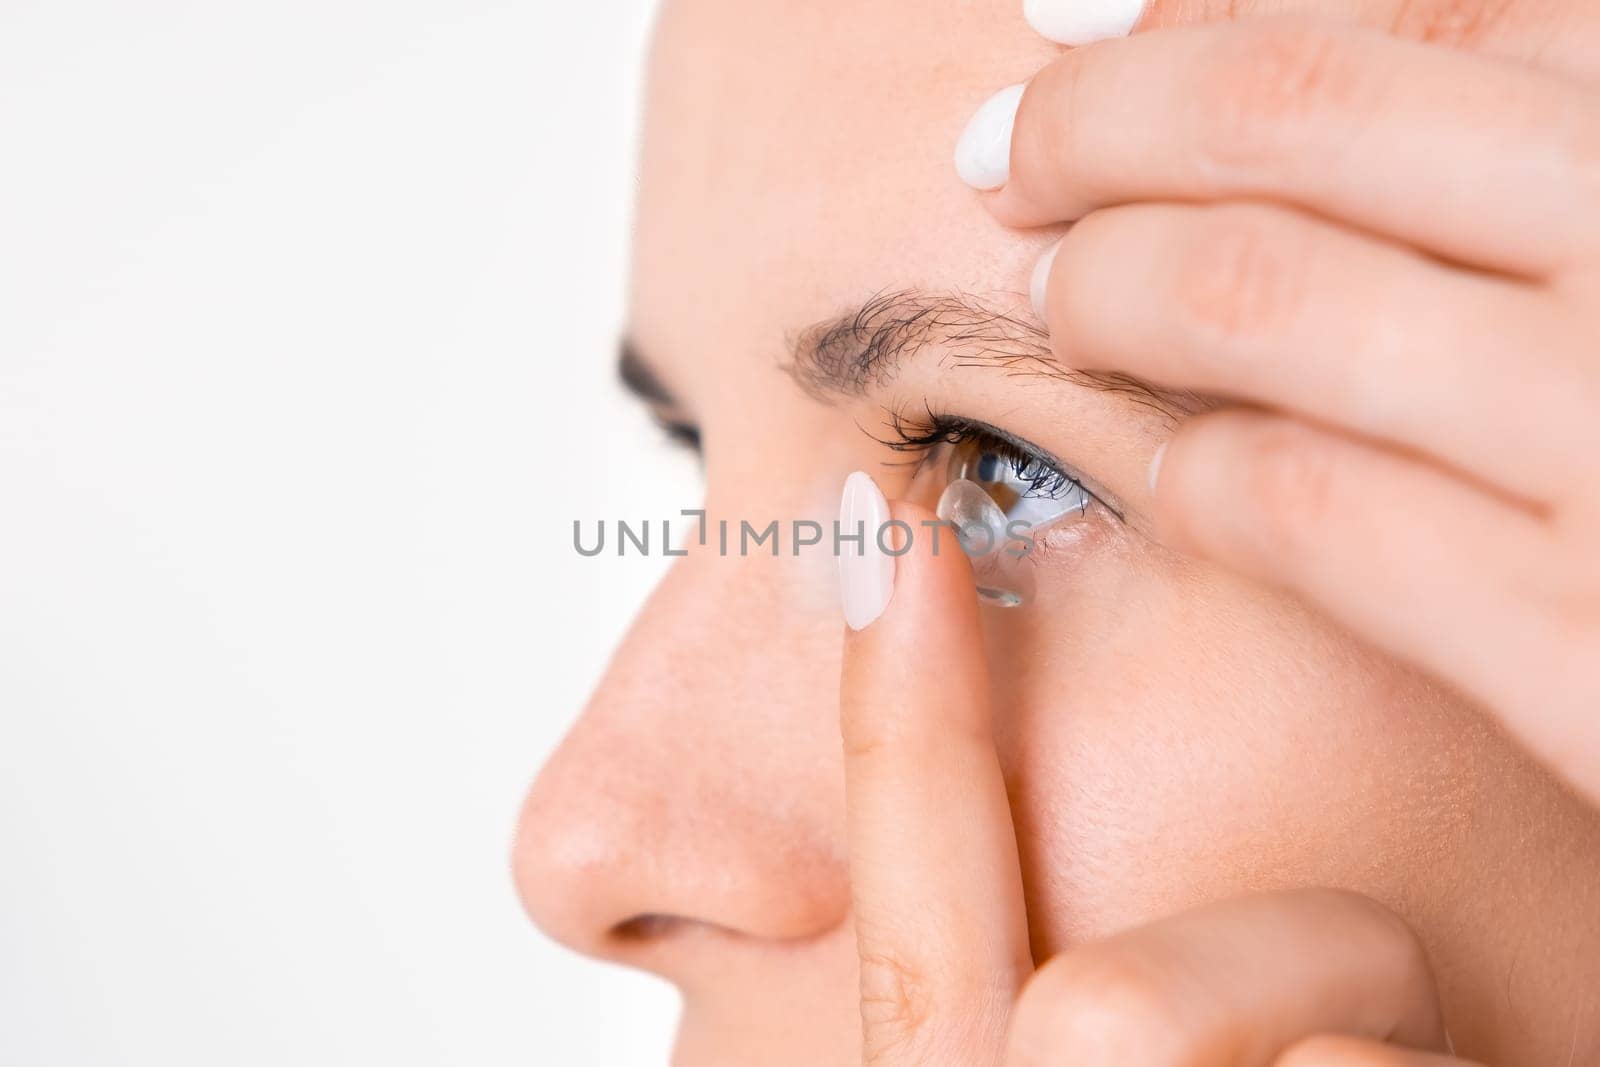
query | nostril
[649, 927]
[652, 927]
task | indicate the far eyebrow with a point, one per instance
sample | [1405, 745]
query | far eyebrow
[862, 349]
[640, 378]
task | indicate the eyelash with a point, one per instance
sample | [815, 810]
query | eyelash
[921, 434]
[682, 434]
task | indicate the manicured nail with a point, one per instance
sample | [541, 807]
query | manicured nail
[1155, 465]
[1039, 284]
[983, 154]
[1082, 21]
[866, 572]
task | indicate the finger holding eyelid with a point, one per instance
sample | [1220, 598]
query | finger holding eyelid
[1346, 122]
[1411, 558]
[1554, 34]
[1253, 302]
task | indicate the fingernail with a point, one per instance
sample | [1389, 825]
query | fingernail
[1155, 465]
[1039, 284]
[1082, 21]
[866, 572]
[983, 154]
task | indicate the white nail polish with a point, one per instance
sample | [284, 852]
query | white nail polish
[1154, 475]
[983, 154]
[1039, 284]
[1082, 21]
[866, 572]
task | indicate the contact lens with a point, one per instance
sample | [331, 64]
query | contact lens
[993, 544]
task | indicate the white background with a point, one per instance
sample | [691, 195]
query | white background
[306, 316]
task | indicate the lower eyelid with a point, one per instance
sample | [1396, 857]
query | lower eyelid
[1062, 539]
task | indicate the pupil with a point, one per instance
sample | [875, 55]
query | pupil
[989, 467]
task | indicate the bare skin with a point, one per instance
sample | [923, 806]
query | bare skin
[1196, 803]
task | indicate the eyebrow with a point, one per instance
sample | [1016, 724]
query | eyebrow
[863, 349]
[854, 353]
[640, 378]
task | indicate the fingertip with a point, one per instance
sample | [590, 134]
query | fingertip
[1080, 22]
[1039, 283]
[1012, 210]
[1167, 476]
[983, 151]
[1201, 480]
[1154, 475]
[933, 575]
[887, 687]
[866, 567]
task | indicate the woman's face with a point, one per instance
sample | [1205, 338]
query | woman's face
[1170, 734]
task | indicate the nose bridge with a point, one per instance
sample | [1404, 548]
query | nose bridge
[701, 781]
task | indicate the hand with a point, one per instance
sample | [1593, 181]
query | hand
[1392, 250]
[1312, 978]
[1557, 35]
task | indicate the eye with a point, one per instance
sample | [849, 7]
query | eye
[680, 432]
[1024, 483]
[1026, 488]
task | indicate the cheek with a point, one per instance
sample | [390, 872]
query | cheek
[1169, 742]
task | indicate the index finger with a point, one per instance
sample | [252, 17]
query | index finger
[1386, 136]
[935, 885]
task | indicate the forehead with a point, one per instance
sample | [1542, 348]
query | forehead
[797, 159]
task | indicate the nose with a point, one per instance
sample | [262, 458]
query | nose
[698, 794]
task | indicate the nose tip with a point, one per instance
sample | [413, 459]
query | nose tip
[562, 871]
[612, 864]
